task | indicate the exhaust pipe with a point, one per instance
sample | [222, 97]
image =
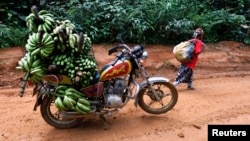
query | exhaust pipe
[74, 115]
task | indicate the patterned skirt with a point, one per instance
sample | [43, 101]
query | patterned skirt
[184, 75]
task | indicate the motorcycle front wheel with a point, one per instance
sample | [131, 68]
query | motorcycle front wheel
[166, 99]
[53, 116]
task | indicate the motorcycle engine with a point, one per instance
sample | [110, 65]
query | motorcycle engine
[113, 97]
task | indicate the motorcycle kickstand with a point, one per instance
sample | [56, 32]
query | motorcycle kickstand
[105, 122]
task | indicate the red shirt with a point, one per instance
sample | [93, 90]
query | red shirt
[197, 50]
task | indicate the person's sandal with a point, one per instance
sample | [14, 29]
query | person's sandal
[190, 88]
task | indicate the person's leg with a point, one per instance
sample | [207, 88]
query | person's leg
[180, 75]
[183, 75]
[190, 81]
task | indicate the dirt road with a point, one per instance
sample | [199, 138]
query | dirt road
[221, 96]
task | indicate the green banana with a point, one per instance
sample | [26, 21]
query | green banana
[83, 107]
[59, 103]
[43, 12]
[84, 101]
[25, 65]
[71, 41]
[61, 87]
[61, 92]
[74, 91]
[72, 100]
[35, 52]
[36, 70]
[68, 103]
[79, 110]
[73, 95]
[49, 20]
[19, 68]
[36, 63]
[35, 79]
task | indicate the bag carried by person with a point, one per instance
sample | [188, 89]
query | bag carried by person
[184, 51]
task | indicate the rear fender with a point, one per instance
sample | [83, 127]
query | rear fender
[151, 80]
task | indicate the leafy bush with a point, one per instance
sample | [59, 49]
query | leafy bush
[138, 21]
[12, 36]
[220, 25]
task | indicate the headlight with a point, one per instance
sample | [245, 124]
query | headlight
[144, 55]
[144, 58]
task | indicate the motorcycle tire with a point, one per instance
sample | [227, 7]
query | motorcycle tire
[52, 115]
[168, 96]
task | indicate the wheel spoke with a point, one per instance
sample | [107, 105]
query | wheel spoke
[162, 100]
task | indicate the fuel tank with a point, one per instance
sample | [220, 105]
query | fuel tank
[57, 79]
[121, 68]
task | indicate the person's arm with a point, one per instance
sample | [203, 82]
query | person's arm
[198, 47]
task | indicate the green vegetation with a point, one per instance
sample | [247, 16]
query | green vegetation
[138, 21]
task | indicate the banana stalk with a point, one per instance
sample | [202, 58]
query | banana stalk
[24, 83]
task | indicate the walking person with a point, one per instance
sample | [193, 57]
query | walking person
[185, 74]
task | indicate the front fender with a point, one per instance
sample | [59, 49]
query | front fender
[151, 80]
[39, 100]
[40, 93]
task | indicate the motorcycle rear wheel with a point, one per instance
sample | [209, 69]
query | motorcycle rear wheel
[53, 117]
[168, 96]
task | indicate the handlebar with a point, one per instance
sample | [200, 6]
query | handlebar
[121, 46]
[119, 56]
[134, 52]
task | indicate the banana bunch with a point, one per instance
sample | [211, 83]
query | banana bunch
[81, 69]
[25, 63]
[63, 61]
[40, 21]
[37, 71]
[40, 44]
[71, 99]
[72, 62]
[86, 44]
[84, 69]
[33, 66]
[64, 35]
[55, 42]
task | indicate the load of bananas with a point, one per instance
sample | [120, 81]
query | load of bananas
[38, 21]
[40, 44]
[55, 42]
[71, 99]
[74, 66]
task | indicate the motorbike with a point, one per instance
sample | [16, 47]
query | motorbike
[119, 81]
